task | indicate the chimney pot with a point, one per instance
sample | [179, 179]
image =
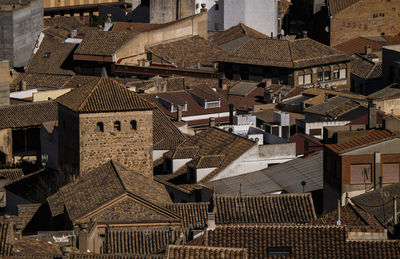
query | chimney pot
[212, 122]
[371, 115]
[179, 113]
[368, 50]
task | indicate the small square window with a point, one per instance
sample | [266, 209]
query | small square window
[327, 75]
[320, 76]
[336, 74]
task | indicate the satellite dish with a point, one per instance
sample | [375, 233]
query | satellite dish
[327, 28]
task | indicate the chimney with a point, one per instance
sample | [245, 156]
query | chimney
[304, 34]
[108, 20]
[18, 230]
[326, 97]
[103, 71]
[231, 113]
[368, 50]
[179, 113]
[338, 213]
[211, 122]
[371, 115]
[267, 95]
[73, 33]
[211, 220]
[65, 251]
[83, 237]
[279, 97]
[203, 8]
[22, 85]
[222, 82]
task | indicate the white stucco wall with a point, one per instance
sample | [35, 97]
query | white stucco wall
[321, 125]
[178, 163]
[158, 154]
[257, 14]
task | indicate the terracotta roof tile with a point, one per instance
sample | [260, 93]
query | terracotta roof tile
[366, 69]
[136, 27]
[188, 252]
[103, 95]
[373, 137]
[207, 161]
[165, 135]
[234, 33]
[27, 114]
[102, 185]
[270, 208]
[193, 214]
[103, 43]
[285, 53]
[142, 242]
[11, 173]
[188, 52]
[50, 58]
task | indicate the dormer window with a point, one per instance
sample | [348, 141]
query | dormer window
[213, 104]
[206, 97]
[100, 127]
[133, 125]
[117, 125]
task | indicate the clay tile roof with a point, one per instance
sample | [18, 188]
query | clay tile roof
[185, 152]
[373, 249]
[103, 43]
[373, 137]
[135, 27]
[260, 240]
[102, 185]
[36, 80]
[103, 95]
[204, 92]
[27, 114]
[6, 236]
[50, 57]
[285, 53]
[236, 32]
[188, 252]
[342, 108]
[208, 161]
[366, 69]
[193, 214]
[12, 173]
[354, 218]
[357, 46]
[269, 208]
[165, 135]
[143, 242]
[188, 51]
[336, 6]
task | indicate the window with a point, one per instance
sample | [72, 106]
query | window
[216, 7]
[307, 79]
[133, 125]
[336, 74]
[327, 75]
[320, 76]
[315, 132]
[342, 73]
[117, 125]
[197, 6]
[391, 173]
[360, 174]
[213, 104]
[100, 126]
[301, 80]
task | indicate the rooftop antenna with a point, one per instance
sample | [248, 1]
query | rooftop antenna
[303, 183]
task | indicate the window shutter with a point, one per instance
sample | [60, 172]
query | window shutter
[391, 173]
[360, 174]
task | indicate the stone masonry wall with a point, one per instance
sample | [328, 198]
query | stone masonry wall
[365, 18]
[131, 148]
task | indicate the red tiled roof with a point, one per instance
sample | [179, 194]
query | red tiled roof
[135, 27]
[336, 6]
[300, 139]
[374, 136]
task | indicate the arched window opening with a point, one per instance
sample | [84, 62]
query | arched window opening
[117, 125]
[100, 127]
[133, 125]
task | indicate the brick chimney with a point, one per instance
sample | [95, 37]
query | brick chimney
[267, 95]
[179, 113]
[231, 107]
[368, 50]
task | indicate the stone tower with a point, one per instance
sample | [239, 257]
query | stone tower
[104, 121]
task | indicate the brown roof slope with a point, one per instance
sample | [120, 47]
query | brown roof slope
[103, 95]
[303, 241]
[188, 252]
[165, 135]
[366, 69]
[269, 208]
[285, 53]
[336, 6]
[12, 173]
[37, 80]
[188, 51]
[375, 249]
[373, 137]
[6, 237]
[50, 57]
[357, 46]
[103, 43]
[193, 214]
[215, 141]
[27, 114]
[102, 185]
[142, 242]
[136, 27]
[235, 32]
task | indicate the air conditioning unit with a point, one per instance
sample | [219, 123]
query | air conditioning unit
[229, 129]
[259, 138]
